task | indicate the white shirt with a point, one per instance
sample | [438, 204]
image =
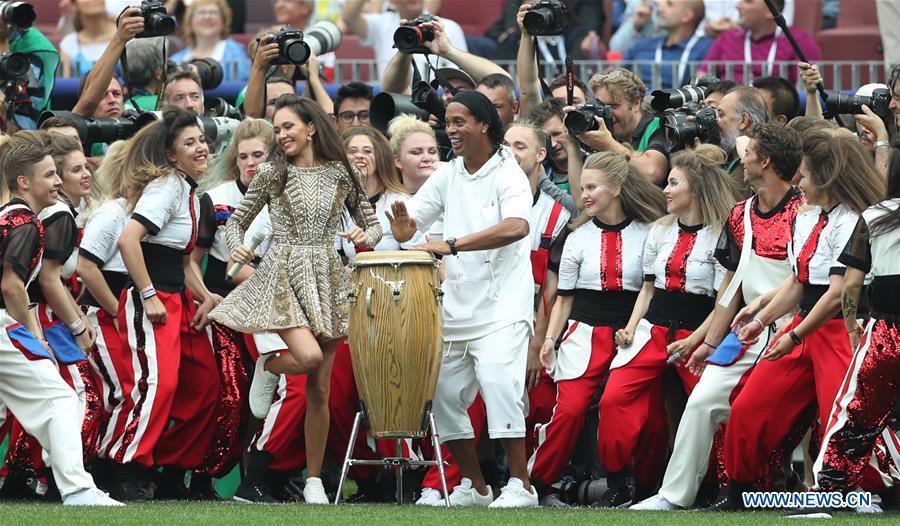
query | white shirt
[99, 241]
[827, 247]
[540, 218]
[698, 273]
[165, 210]
[583, 265]
[484, 290]
[380, 37]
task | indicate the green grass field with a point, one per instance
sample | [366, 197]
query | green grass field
[227, 514]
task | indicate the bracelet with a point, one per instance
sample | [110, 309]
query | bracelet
[759, 321]
[881, 144]
[794, 338]
[79, 333]
[711, 346]
[77, 327]
[549, 338]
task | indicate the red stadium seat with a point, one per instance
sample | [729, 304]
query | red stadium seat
[856, 37]
[475, 16]
[808, 16]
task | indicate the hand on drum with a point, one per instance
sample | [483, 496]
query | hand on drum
[357, 236]
[437, 247]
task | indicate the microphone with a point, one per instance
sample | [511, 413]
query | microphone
[255, 241]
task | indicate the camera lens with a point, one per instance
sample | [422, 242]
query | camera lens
[19, 14]
[538, 21]
[161, 24]
[580, 121]
[323, 37]
[407, 38]
[13, 66]
[297, 51]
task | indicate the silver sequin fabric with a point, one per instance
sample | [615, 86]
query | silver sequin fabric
[300, 281]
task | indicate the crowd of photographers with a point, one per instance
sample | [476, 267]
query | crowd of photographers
[131, 82]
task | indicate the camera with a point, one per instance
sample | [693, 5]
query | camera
[409, 37]
[295, 48]
[582, 492]
[547, 17]
[219, 107]
[92, 130]
[13, 66]
[157, 22]
[681, 131]
[19, 14]
[423, 102]
[581, 120]
[847, 103]
[209, 70]
[695, 92]
[218, 130]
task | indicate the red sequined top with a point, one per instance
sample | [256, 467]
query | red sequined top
[771, 230]
[18, 244]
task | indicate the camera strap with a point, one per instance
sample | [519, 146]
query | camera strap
[651, 128]
[124, 60]
[537, 59]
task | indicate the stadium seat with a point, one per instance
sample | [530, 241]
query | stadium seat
[808, 16]
[48, 14]
[474, 16]
[856, 37]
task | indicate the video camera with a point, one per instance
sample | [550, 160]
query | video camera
[695, 91]
[547, 17]
[410, 37]
[845, 103]
[18, 14]
[581, 119]
[295, 47]
[157, 21]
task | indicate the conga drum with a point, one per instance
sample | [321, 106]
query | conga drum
[396, 339]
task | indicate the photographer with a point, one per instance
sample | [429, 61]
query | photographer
[376, 30]
[633, 128]
[782, 99]
[738, 111]
[397, 74]
[256, 98]
[44, 61]
[100, 93]
[184, 90]
[145, 71]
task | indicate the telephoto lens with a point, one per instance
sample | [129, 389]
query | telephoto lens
[157, 21]
[409, 37]
[544, 18]
[19, 14]
[13, 66]
[323, 37]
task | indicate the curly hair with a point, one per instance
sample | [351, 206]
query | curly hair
[781, 145]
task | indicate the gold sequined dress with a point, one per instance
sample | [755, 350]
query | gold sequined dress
[300, 281]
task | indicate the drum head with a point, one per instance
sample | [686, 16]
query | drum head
[394, 257]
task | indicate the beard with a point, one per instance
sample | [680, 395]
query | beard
[729, 140]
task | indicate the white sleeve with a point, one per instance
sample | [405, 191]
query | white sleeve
[569, 264]
[101, 235]
[650, 249]
[375, 23]
[840, 235]
[428, 204]
[158, 202]
[455, 34]
[515, 195]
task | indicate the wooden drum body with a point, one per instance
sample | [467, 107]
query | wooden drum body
[396, 339]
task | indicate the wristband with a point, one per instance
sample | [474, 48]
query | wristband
[549, 338]
[77, 327]
[148, 292]
[794, 338]
[79, 333]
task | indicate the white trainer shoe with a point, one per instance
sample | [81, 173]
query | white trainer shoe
[654, 503]
[430, 497]
[90, 497]
[314, 491]
[514, 495]
[262, 389]
[465, 496]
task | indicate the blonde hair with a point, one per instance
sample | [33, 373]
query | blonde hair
[715, 190]
[840, 167]
[641, 200]
[224, 168]
[620, 83]
[188, 34]
[106, 184]
[401, 127]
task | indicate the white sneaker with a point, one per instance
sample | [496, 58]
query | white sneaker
[654, 503]
[430, 497]
[262, 389]
[514, 495]
[314, 491]
[465, 496]
[90, 497]
[552, 500]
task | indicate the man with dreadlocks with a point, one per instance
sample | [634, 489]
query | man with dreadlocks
[485, 201]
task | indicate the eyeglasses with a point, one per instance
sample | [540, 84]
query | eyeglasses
[207, 12]
[348, 116]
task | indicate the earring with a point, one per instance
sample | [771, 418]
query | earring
[484, 130]
[309, 136]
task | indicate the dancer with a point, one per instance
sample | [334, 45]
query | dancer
[30, 384]
[300, 288]
[600, 275]
[172, 366]
[670, 317]
[754, 267]
[488, 294]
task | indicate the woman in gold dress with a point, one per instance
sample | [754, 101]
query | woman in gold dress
[300, 289]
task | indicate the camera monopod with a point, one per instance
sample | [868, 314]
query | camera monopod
[782, 23]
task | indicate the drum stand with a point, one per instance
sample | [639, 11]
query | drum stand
[399, 462]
